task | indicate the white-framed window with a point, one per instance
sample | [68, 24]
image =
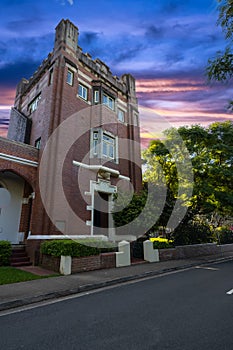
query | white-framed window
[103, 145]
[33, 105]
[108, 146]
[121, 115]
[82, 91]
[70, 77]
[108, 101]
[96, 96]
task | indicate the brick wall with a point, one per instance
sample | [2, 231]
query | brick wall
[50, 262]
[87, 263]
[188, 251]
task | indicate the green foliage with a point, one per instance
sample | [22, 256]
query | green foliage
[130, 210]
[5, 253]
[139, 212]
[225, 19]
[225, 236]
[221, 67]
[210, 151]
[68, 248]
[192, 233]
[162, 245]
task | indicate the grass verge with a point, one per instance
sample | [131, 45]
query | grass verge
[12, 275]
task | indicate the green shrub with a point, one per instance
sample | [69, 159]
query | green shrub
[192, 233]
[103, 246]
[225, 236]
[162, 245]
[76, 248]
[5, 253]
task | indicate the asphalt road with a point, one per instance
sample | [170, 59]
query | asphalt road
[180, 311]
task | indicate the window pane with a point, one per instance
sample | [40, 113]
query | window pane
[96, 97]
[105, 149]
[121, 115]
[105, 99]
[69, 78]
[111, 151]
[82, 91]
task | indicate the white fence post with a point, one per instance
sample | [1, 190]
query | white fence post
[65, 265]
[123, 254]
[150, 254]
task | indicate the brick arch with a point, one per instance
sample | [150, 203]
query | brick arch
[28, 173]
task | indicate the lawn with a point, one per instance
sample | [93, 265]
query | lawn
[12, 275]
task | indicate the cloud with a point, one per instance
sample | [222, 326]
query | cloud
[71, 2]
[89, 38]
[11, 74]
[153, 32]
[7, 96]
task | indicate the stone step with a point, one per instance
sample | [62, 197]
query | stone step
[19, 256]
[20, 259]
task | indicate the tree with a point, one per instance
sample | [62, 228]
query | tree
[211, 153]
[221, 67]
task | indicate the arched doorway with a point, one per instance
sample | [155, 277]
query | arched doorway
[15, 207]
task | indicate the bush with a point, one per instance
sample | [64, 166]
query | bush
[162, 245]
[75, 248]
[192, 233]
[5, 253]
[225, 236]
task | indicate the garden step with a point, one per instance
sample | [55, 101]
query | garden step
[19, 256]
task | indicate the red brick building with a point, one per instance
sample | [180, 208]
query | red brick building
[73, 141]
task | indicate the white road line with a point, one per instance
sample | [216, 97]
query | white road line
[206, 268]
[230, 292]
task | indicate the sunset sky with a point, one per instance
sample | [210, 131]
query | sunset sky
[165, 44]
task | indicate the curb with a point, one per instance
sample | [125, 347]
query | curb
[88, 287]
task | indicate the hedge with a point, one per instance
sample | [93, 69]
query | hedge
[5, 253]
[72, 248]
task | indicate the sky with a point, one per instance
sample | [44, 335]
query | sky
[165, 44]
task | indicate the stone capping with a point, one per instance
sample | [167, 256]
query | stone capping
[19, 144]
[99, 67]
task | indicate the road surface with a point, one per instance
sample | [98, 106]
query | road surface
[186, 310]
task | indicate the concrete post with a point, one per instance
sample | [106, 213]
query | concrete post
[123, 254]
[65, 265]
[150, 254]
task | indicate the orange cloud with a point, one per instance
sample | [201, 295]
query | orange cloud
[168, 85]
[7, 97]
